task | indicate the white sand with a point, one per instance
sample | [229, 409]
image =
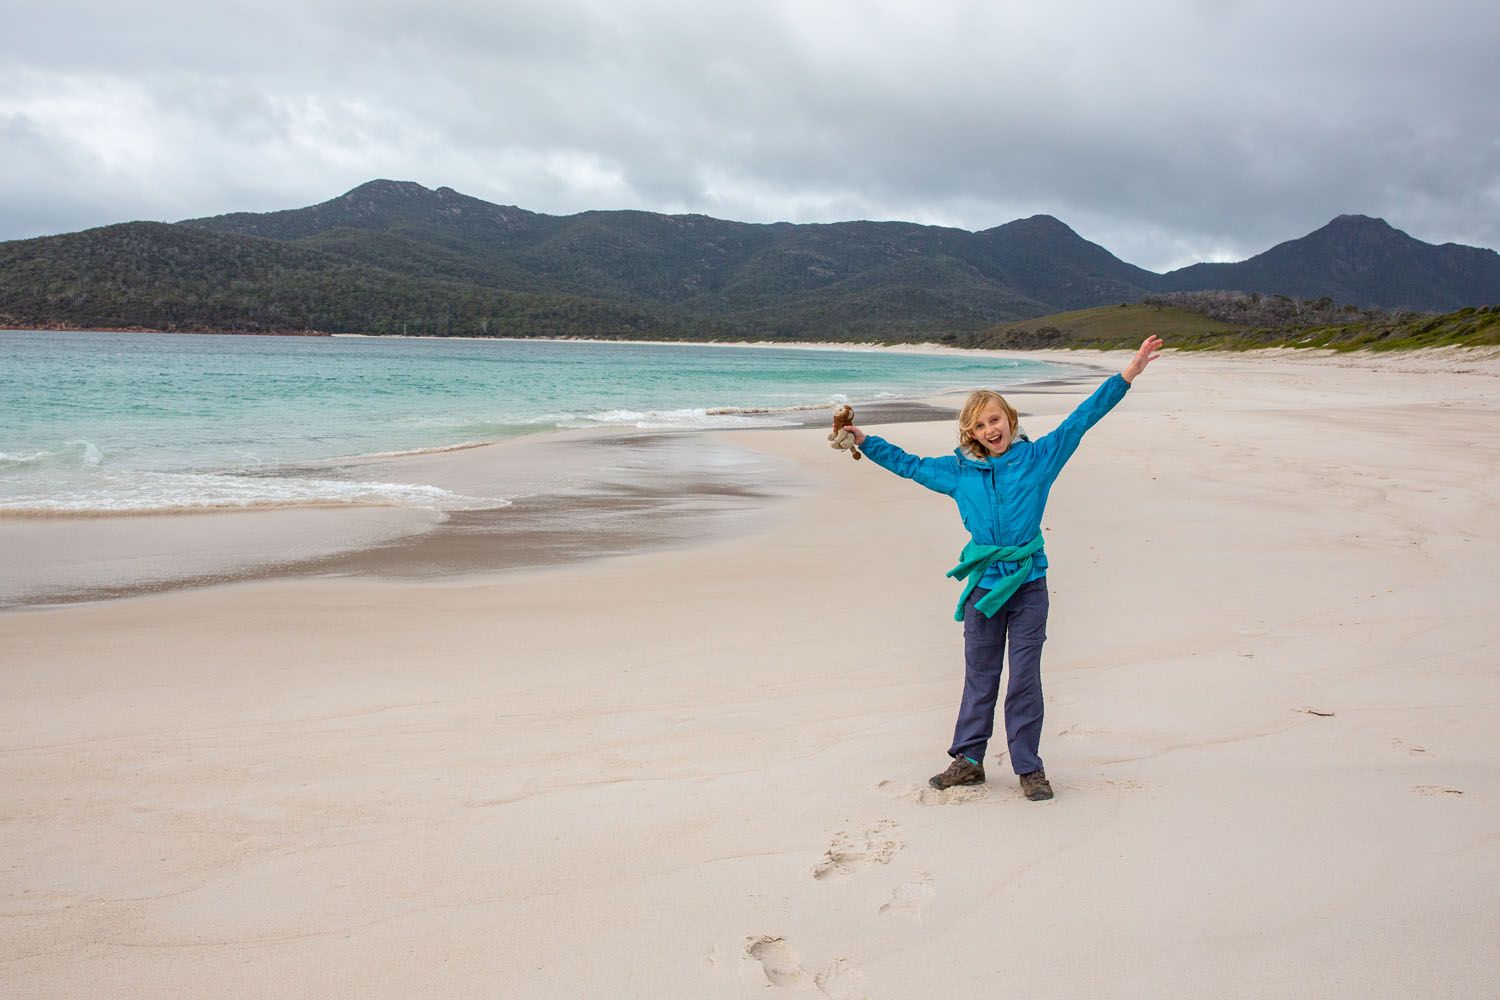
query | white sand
[701, 773]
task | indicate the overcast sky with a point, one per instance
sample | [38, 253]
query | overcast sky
[1169, 131]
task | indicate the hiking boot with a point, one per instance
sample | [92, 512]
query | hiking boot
[960, 772]
[1035, 786]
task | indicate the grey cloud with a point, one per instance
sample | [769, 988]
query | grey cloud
[1167, 132]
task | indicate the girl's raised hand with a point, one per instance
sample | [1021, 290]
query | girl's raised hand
[1149, 352]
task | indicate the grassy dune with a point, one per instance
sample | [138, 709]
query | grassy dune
[1125, 326]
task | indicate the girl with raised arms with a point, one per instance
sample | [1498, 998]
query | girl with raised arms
[1000, 481]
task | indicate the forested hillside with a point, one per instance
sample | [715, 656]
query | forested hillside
[396, 257]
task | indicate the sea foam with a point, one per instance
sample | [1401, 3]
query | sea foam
[142, 492]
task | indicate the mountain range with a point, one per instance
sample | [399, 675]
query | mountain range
[394, 257]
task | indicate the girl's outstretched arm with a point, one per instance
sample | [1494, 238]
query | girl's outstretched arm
[937, 474]
[1058, 446]
[1149, 352]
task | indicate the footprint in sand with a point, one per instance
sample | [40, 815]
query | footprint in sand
[928, 796]
[1077, 729]
[784, 969]
[1436, 790]
[782, 964]
[848, 853]
[909, 897]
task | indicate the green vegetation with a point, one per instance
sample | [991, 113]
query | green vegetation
[1104, 327]
[153, 276]
[1298, 324]
[1468, 327]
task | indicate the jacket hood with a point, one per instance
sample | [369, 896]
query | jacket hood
[964, 458]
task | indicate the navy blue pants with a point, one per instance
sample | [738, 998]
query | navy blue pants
[1023, 621]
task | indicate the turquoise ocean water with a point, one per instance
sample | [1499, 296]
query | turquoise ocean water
[101, 422]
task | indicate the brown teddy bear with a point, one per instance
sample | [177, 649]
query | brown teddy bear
[842, 437]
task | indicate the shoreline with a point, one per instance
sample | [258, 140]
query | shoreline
[543, 516]
[68, 560]
[120, 555]
[1059, 355]
[574, 495]
[523, 426]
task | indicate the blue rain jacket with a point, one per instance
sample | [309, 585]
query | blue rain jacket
[1001, 498]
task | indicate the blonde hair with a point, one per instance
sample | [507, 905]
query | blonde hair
[969, 416]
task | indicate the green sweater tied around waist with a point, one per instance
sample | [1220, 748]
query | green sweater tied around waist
[977, 558]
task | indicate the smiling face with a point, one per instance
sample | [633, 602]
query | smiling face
[992, 428]
[986, 424]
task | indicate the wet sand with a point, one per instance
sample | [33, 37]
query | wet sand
[564, 497]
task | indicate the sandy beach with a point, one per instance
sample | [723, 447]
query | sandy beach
[698, 769]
